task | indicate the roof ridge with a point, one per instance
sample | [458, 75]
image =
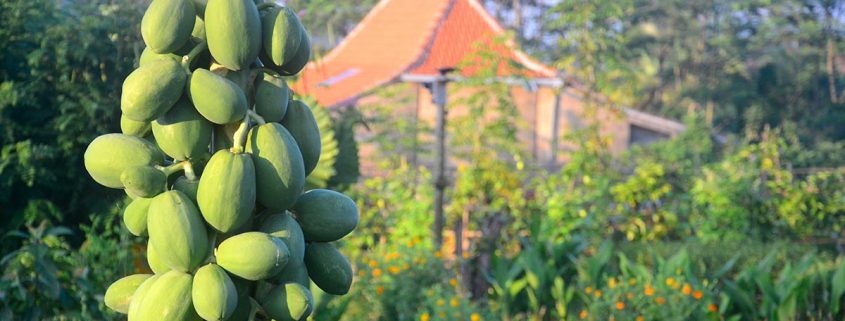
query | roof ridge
[429, 43]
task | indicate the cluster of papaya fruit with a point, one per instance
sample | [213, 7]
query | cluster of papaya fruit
[214, 153]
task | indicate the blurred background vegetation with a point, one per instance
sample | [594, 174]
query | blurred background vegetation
[739, 218]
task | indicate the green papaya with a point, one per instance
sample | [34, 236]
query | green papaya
[218, 99]
[281, 33]
[246, 309]
[134, 128]
[138, 296]
[187, 186]
[253, 255]
[177, 231]
[296, 272]
[182, 133]
[199, 27]
[167, 24]
[135, 216]
[288, 302]
[150, 90]
[233, 30]
[325, 215]
[284, 226]
[328, 268]
[143, 181]
[168, 298]
[300, 122]
[303, 54]
[109, 155]
[155, 263]
[271, 98]
[119, 294]
[213, 293]
[226, 193]
[280, 173]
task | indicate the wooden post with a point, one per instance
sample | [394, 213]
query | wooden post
[439, 91]
[555, 129]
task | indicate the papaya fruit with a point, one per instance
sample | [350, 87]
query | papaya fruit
[246, 309]
[177, 231]
[284, 227]
[282, 32]
[288, 302]
[150, 90]
[199, 27]
[187, 186]
[135, 216]
[216, 98]
[226, 192]
[168, 298]
[296, 272]
[109, 155]
[213, 293]
[119, 294]
[253, 255]
[303, 54]
[134, 128]
[300, 122]
[155, 263]
[182, 133]
[167, 24]
[138, 296]
[280, 173]
[143, 181]
[233, 30]
[271, 98]
[328, 268]
[325, 215]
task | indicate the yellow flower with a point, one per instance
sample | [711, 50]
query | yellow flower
[612, 318]
[376, 273]
[437, 254]
[361, 273]
[670, 281]
[474, 317]
[660, 300]
[425, 317]
[454, 302]
[416, 260]
[430, 292]
[588, 290]
[620, 305]
[632, 281]
[686, 290]
[440, 302]
[611, 283]
[629, 295]
[442, 315]
[640, 318]
[584, 314]
[453, 282]
[379, 290]
[649, 291]
[466, 255]
[373, 263]
[598, 293]
[697, 295]
[393, 269]
[406, 266]
[712, 308]
[392, 256]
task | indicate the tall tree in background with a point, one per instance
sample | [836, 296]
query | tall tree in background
[60, 70]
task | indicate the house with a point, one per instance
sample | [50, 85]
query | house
[415, 42]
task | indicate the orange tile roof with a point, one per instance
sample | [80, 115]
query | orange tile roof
[407, 36]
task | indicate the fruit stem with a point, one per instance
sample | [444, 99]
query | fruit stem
[199, 48]
[239, 139]
[269, 71]
[266, 5]
[169, 170]
[255, 116]
[189, 170]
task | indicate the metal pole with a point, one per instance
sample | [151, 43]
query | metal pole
[440, 181]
